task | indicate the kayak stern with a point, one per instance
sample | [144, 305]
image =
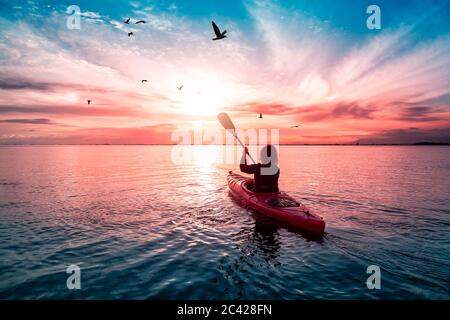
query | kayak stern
[296, 215]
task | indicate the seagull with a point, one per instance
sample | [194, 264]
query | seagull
[89, 101]
[179, 88]
[144, 81]
[127, 21]
[219, 35]
[130, 34]
[295, 126]
[260, 115]
[140, 21]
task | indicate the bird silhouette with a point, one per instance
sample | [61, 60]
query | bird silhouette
[144, 81]
[130, 34]
[127, 21]
[179, 88]
[295, 126]
[89, 101]
[140, 21]
[219, 34]
[260, 115]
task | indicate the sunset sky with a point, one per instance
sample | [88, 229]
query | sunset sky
[309, 62]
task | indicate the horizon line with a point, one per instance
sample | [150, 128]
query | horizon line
[212, 144]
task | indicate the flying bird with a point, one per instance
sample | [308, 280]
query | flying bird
[144, 81]
[127, 21]
[219, 34]
[179, 88]
[260, 115]
[296, 126]
[140, 21]
[89, 101]
[130, 34]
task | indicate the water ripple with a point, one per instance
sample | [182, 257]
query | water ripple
[140, 227]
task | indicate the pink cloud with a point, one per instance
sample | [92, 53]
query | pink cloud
[158, 134]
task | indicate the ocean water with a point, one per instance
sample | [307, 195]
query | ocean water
[140, 226]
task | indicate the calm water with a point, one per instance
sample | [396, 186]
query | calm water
[141, 227]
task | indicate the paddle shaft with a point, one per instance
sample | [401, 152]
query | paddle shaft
[239, 140]
[228, 125]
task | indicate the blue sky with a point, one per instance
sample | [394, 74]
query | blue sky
[345, 14]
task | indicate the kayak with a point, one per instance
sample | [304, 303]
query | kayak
[276, 205]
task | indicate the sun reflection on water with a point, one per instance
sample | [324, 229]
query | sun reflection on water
[205, 156]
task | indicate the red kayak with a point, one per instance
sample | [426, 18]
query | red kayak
[277, 205]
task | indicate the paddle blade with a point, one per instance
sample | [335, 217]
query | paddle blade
[225, 121]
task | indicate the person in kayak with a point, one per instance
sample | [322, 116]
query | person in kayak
[266, 173]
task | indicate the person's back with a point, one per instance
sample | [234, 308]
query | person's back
[266, 174]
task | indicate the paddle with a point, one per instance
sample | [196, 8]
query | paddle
[226, 122]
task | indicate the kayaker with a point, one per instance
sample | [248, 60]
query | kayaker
[266, 173]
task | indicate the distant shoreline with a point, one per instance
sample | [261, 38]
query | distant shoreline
[291, 144]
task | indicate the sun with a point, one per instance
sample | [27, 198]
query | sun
[201, 104]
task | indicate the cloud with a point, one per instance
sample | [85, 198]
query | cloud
[28, 121]
[89, 111]
[310, 113]
[90, 15]
[284, 63]
[134, 4]
[307, 64]
[408, 136]
[16, 84]
[267, 108]
[156, 134]
[422, 114]
[7, 84]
